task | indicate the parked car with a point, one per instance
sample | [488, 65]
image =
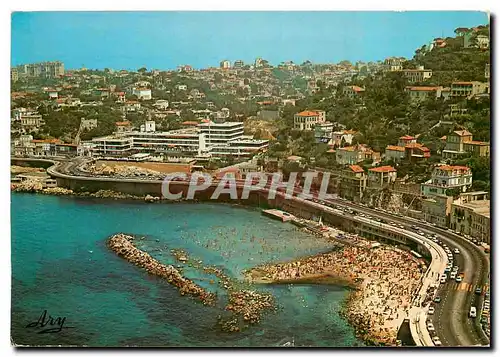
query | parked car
[431, 310]
[456, 251]
[458, 279]
[472, 312]
[437, 299]
[430, 327]
[478, 291]
[436, 341]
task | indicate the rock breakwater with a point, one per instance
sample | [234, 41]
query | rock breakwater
[123, 245]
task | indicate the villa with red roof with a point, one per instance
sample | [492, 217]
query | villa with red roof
[307, 119]
[382, 175]
[420, 93]
[407, 148]
[445, 177]
[460, 142]
[353, 91]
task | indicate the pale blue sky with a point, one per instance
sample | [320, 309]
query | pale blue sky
[165, 40]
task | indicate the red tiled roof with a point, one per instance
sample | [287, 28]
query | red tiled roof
[307, 113]
[473, 142]
[407, 137]
[462, 132]
[423, 88]
[394, 148]
[452, 168]
[358, 89]
[356, 168]
[190, 123]
[443, 137]
[421, 148]
[383, 169]
[413, 145]
[122, 123]
[461, 83]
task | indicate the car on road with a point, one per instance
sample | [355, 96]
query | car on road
[455, 268]
[436, 340]
[431, 310]
[447, 269]
[456, 251]
[458, 279]
[478, 291]
[430, 327]
[453, 275]
[437, 299]
[472, 312]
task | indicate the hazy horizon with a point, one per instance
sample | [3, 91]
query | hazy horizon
[165, 40]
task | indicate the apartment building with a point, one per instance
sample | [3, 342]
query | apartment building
[353, 91]
[225, 64]
[380, 176]
[342, 137]
[43, 69]
[421, 93]
[88, 124]
[29, 119]
[472, 218]
[460, 142]
[204, 140]
[437, 209]
[352, 182]
[395, 153]
[14, 75]
[238, 64]
[307, 119]
[445, 177]
[394, 64]
[417, 75]
[323, 133]
[142, 93]
[468, 89]
[351, 155]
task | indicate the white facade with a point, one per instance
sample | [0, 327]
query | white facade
[142, 93]
[447, 177]
[209, 139]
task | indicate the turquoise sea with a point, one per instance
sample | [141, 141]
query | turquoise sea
[60, 263]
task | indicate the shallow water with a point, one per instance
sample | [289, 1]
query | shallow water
[60, 263]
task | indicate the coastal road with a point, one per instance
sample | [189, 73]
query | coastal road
[451, 318]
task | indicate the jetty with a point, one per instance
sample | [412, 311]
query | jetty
[279, 215]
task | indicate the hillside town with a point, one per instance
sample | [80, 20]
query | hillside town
[410, 135]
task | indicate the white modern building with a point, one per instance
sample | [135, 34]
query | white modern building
[205, 140]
